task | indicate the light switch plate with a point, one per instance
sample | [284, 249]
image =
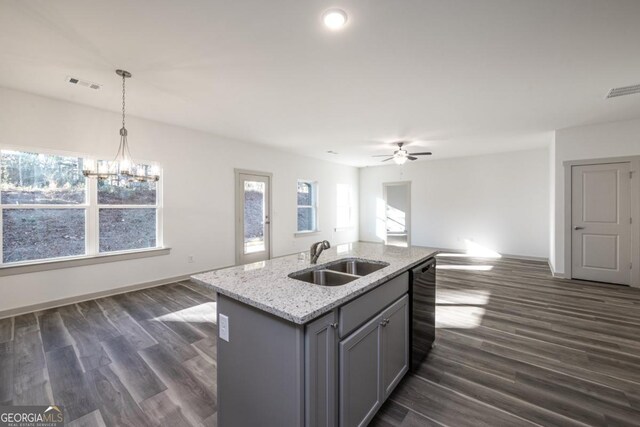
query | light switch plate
[223, 327]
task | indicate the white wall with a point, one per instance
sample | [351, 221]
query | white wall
[613, 139]
[498, 201]
[198, 193]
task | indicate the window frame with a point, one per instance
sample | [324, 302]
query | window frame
[96, 215]
[314, 207]
[91, 208]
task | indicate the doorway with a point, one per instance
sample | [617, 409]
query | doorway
[397, 198]
[253, 216]
[601, 222]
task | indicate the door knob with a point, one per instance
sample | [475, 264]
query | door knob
[578, 228]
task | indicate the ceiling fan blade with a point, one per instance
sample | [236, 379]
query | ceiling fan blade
[388, 159]
[381, 155]
[412, 158]
[426, 153]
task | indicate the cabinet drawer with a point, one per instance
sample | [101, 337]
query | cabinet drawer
[363, 308]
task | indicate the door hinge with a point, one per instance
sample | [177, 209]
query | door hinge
[630, 266]
[630, 174]
[630, 220]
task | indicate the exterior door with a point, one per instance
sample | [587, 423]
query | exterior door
[253, 212]
[601, 222]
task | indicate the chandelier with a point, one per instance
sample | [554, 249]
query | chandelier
[123, 168]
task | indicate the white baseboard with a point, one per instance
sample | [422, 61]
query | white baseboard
[503, 255]
[526, 257]
[95, 295]
[87, 297]
[555, 274]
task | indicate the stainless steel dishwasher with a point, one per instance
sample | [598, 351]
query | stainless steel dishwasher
[422, 287]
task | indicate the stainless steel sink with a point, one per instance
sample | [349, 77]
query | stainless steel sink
[356, 266]
[324, 277]
[339, 272]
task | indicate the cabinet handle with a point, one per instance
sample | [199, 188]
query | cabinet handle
[384, 322]
[334, 325]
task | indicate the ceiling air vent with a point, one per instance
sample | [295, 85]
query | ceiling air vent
[622, 91]
[84, 83]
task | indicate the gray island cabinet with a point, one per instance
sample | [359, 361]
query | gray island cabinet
[306, 362]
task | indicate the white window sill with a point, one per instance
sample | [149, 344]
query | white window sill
[306, 233]
[347, 228]
[44, 265]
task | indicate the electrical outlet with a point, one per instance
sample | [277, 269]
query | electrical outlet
[223, 327]
[190, 259]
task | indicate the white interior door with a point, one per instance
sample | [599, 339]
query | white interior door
[601, 222]
[253, 223]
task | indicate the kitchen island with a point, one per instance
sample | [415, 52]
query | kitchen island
[294, 353]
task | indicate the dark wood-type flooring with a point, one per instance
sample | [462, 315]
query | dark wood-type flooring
[514, 347]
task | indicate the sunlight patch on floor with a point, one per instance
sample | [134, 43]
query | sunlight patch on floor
[466, 297]
[459, 317]
[465, 267]
[460, 309]
[203, 313]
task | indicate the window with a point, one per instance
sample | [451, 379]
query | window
[344, 206]
[126, 215]
[47, 213]
[307, 206]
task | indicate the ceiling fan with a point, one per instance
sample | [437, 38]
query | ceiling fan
[400, 156]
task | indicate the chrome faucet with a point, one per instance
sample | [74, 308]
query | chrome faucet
[316, 250]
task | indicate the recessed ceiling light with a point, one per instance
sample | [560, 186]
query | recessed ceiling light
[334, 19]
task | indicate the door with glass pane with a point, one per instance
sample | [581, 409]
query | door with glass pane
[253, 211]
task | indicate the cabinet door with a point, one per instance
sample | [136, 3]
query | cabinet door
[360, 392]
[321, 372]
[395, 344]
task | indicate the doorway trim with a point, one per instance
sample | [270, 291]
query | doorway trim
[238, 208]
[634, 162]
[408, 218]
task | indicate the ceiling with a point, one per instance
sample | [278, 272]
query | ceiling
[457, 77]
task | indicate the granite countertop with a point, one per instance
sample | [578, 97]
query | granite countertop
[266, 285]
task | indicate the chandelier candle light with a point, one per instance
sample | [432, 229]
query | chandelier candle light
[122, 168]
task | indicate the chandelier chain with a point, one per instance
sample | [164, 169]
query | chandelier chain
[123, 97]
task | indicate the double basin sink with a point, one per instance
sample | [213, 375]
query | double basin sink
[339, 272]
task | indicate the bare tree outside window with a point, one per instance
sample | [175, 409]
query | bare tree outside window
[45, 210]
[37, 192]
[127, 216]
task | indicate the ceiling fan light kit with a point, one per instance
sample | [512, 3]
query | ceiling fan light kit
[123, 168]
[400, 156]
